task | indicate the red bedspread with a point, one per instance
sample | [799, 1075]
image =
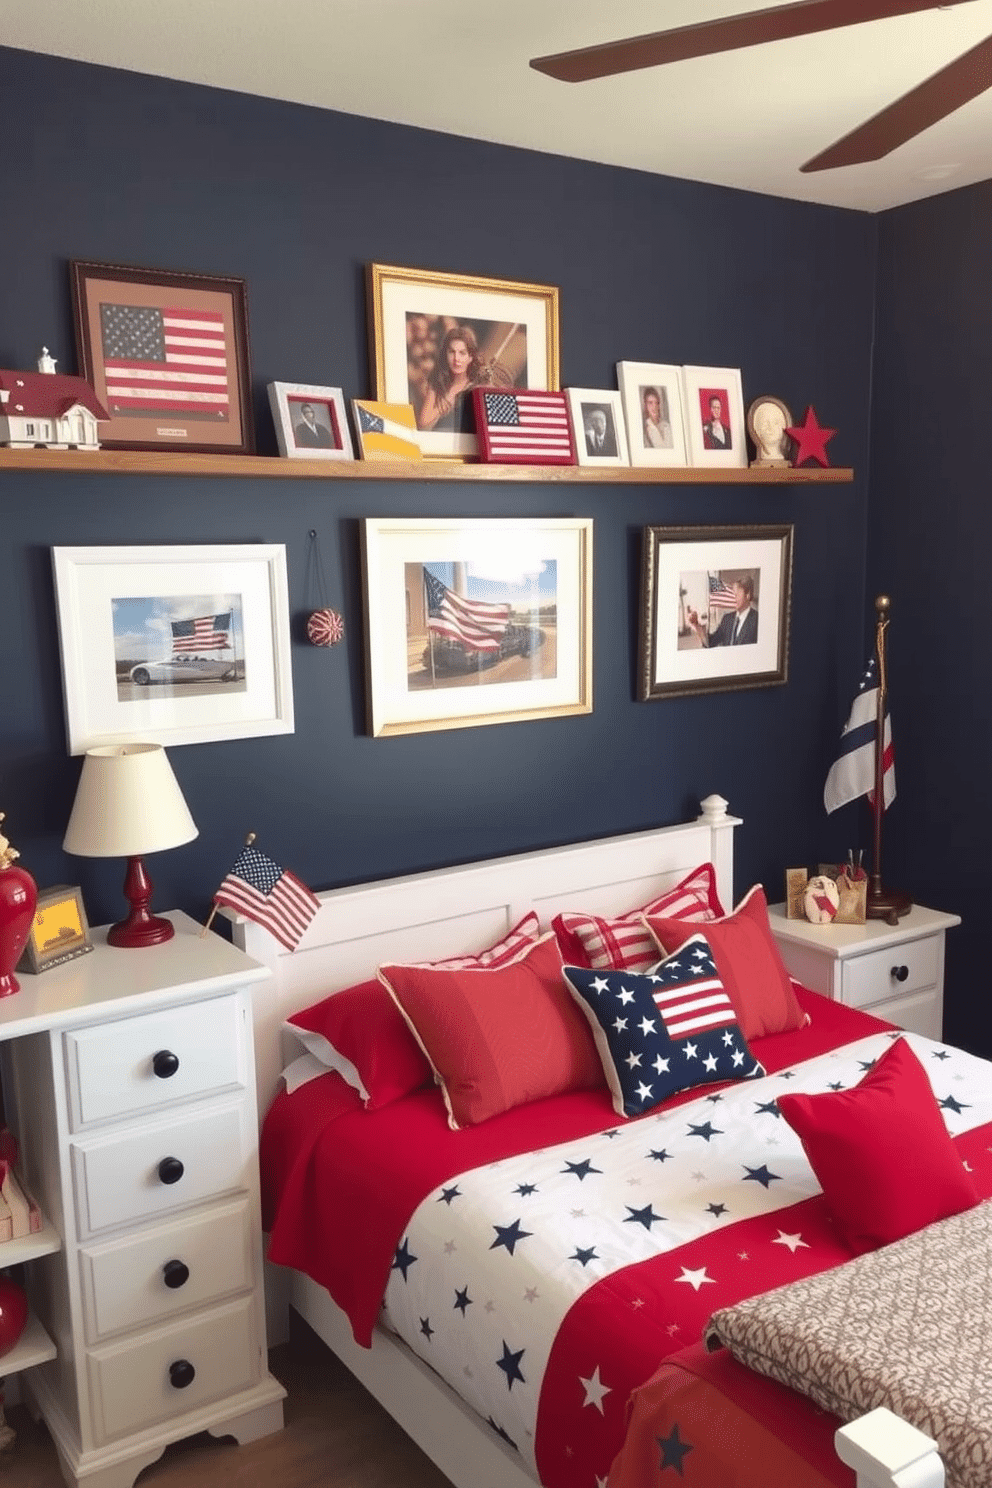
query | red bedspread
[340, 1186]
[323, 1157]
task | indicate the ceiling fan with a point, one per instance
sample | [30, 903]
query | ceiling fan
[947, 90]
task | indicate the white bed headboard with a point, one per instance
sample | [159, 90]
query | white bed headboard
[451, 911]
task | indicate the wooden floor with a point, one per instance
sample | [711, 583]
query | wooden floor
[336, 1436]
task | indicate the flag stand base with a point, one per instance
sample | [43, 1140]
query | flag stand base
[886, 904]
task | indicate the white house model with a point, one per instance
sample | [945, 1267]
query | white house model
[49, 410]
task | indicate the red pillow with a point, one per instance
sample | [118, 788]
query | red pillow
[881, 1152]
[622, 942]
[498, 1038]
[360, 1033]
[749, 964]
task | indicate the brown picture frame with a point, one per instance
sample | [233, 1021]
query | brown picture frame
[59, 931]
[690, 577]
[179, 381]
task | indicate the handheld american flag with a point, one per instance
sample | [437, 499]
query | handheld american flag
[852, 773]
[471, 622]
[523, 428]
[269, 895]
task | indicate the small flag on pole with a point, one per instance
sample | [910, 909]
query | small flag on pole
[523, 428]
[204, 633]
[853, 772]
[269, 895]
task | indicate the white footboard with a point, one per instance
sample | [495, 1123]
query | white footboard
[886, 1452]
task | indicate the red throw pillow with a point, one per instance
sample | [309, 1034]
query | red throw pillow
[498, 1038]
[361, 1033]
[622, 942]
[749, 964]
[881, 1152]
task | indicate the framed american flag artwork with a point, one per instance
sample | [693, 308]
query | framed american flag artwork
[167, 354]
[715, 609]
[474, 621]
[173, 645]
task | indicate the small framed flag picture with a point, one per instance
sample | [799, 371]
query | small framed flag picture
[515, 426]
[386, 431]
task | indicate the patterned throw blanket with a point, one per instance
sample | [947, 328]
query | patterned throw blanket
[908, 1326]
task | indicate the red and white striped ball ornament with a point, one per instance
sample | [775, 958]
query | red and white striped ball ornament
[325, 628]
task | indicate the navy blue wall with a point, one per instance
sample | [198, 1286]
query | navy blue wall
[134, 170]
[930, 543]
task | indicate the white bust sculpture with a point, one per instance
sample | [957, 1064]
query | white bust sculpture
[768, 425]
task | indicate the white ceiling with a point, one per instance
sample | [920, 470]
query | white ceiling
[745, 119]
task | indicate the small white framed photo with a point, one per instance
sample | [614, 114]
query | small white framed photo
[714, 416]
[311, 423]
[652, 403]
[598, 426]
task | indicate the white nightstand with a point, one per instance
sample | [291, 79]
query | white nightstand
[893, 971]
[128, 1076]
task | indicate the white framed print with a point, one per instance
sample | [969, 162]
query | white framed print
[310, 422]
[173, 645]
[598, 426]
[714, 416]
[651, 393]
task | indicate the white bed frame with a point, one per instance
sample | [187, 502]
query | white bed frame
[426, 916]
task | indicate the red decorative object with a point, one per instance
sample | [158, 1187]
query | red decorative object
[18, 900]
[325, 628]
[517, 426]
[811, 439]
[13, 1314]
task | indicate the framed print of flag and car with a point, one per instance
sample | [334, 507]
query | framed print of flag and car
[473, 621]
[173, 645]
[167, 355]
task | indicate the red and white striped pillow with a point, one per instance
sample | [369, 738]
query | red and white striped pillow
[523, 934]
[624, 942]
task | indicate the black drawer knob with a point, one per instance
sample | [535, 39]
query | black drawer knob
[181, 1374]
[170, 1170]
[899, 973]
[165, 1063]
[175, 1274]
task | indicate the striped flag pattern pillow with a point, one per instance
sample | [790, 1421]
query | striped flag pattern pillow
[523, 934]
[624, 943]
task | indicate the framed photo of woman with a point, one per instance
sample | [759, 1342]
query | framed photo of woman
[652, 406]
[435, 336]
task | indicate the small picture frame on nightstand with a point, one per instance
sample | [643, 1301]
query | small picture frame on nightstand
[59, 932]
[796, 880]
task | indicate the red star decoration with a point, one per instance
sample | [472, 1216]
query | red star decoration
[811, 440]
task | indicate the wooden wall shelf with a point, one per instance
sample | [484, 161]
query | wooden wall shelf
[168, 462]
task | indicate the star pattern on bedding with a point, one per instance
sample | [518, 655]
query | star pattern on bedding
[525, 1256]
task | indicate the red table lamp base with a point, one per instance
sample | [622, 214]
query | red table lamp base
[141, 928]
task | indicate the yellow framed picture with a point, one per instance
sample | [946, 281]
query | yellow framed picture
[59, 932]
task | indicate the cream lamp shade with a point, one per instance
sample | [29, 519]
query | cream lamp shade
[128, 803]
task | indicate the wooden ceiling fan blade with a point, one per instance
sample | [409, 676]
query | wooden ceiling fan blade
[726, 34]
[944, 93]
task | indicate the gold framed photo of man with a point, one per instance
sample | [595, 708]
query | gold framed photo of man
[652, 405]
[435, 336]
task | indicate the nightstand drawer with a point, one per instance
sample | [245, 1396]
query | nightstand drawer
[157, 1059]
[156, 1274]
[135, 1385]
[884, 974]
[160, 1166]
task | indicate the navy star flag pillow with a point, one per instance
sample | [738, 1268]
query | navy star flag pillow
[663, 1030]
